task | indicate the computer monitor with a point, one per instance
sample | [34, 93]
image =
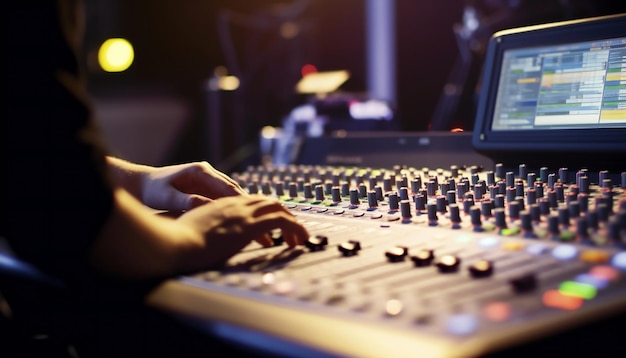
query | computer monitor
[556, 95]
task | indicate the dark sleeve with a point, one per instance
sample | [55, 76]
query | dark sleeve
[57, 195]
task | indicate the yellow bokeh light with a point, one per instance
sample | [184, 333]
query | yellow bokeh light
[116, 55]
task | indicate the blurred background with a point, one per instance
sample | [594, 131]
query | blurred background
[208, 76]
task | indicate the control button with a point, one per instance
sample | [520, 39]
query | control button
[619, 261]
[448, 264]
[317, 242]
[594, 256]
[524, 284]
[376, 216]
[537, 249]
[556, 299]
[397, 254]
[481, 268]
[349, 248]
[565, 252]
[423, 258]
[497, 311]
[462, 324]
[578, 289]
[513, 246]
[606, 272]
[593, 280]
[338, 212]
[488, 242]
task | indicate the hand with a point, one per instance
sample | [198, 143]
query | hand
[230, 223]
[186, 186]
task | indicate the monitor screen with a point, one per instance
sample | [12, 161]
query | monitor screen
[553, 92]
[578, 85]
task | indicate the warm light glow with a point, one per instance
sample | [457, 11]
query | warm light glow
[322, 82]
[268, 132]
[228, 83]
[116, 55]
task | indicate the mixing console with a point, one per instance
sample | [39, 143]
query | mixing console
[401, 261]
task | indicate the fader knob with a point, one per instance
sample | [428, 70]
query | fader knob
[397, 254]
[481, 268]
[349, 248]
[423, 258]
[317, 242]
[448, 264]
[524, 284]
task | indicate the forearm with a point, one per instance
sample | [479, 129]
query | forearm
[136, 244]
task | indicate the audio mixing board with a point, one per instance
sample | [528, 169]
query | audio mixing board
[405, 261]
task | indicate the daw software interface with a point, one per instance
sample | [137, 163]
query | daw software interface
[578, 85]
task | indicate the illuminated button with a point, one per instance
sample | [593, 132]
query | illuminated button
[462, 324]
[577, 289]
[448, 264]
[556, 299]
[619, 261]
[565, 252]
[537, 249]
[513, 246]
[606, 272]
[481, 268]
[423, 258]
[487, 242]
[596, 281]
[594, 256]
[497, 311]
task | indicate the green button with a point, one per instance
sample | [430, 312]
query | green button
[578, 289]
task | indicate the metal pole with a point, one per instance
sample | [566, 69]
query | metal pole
[381, 49]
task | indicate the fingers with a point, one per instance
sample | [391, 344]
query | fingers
[265, 240]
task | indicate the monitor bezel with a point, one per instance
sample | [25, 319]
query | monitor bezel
[581, 140]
